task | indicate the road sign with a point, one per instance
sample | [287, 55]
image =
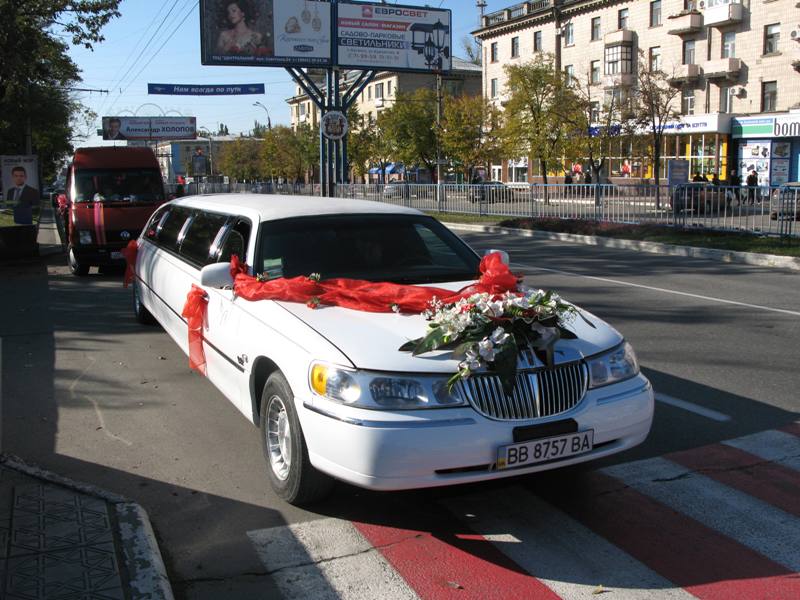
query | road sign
[177, 89]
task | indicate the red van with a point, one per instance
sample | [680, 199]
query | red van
[111, 192]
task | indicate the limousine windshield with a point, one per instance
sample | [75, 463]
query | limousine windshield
[397, 248]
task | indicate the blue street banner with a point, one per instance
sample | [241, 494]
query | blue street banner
[177, 89]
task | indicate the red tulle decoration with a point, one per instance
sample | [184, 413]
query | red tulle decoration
[237, 266]
[195, 311]
[370, 296]
[129, 252]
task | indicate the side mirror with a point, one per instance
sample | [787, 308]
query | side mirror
[61, 200]
[503, 255]
[216, 275]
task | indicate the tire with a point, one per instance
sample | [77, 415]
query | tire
[290, 472]
[142, 315]
[76, 267]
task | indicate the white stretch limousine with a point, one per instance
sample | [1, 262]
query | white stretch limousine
[335, 391]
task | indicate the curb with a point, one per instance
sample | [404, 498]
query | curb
[728, 256]
[143, 561]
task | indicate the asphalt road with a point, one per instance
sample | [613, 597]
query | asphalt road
[92, 395]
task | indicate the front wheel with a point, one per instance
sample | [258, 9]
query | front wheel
[76, 267]
[290, 471]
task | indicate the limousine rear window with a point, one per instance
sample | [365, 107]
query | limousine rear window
[399, 248]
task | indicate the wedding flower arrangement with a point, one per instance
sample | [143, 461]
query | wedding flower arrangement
[486, 330]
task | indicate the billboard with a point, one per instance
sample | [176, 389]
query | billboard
[393, 38]
[266, 33]
[20, 187]
[149, 128]
[177, 89]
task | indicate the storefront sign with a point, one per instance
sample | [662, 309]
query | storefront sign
[711, 123]
[787, 126]
[747, 127]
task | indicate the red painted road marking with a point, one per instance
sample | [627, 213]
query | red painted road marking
[442, 565]
[706, 563]
[793, 428]
[751, 474]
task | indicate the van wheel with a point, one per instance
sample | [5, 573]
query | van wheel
[142, 315]
[76, 267]
[290, 472]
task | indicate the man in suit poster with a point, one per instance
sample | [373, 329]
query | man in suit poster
[19, 173]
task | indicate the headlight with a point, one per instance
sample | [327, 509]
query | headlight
[85, 236]
[614, 366]
[381, 391]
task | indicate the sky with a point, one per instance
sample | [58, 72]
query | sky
[149, 44]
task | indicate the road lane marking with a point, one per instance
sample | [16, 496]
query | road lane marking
[549, 542]
[662, 290]
[775, 446]
[691, 407]
[725, 508]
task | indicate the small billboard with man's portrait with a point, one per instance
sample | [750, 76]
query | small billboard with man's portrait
[149, 128]
[20, 187]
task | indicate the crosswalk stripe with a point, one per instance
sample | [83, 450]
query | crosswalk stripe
[445, 565]
[741, 517]
[768, 481]
[704, 562]
[776, 446]
[327, 560]
[569, 558]
[793, 428]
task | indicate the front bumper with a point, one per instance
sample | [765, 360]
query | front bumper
[429, 448]
[99, 256]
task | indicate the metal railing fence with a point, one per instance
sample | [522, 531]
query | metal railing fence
[759, 210]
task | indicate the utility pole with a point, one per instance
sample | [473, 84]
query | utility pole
[438, 136]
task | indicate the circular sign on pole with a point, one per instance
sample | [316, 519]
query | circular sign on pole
[334, 125]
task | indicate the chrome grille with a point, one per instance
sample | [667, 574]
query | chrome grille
[536, 394]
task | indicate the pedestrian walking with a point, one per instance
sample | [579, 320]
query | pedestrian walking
[735, 182]
[752, 187]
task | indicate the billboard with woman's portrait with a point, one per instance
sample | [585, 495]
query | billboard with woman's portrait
[265, 32]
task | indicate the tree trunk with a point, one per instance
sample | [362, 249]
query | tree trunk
[543, 165]
[657, 169]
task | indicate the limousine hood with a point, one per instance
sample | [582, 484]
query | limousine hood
[371, 340]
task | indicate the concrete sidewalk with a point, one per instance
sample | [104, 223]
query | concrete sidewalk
[63, 539]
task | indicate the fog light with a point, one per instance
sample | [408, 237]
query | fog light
[85, 237]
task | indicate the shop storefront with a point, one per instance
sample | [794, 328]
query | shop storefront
[768, 145]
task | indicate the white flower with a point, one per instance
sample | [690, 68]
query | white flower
[486, 349]
[471, 362]
[499, 336]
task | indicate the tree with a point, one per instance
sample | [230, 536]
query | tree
[409, 128]
[36, 71]
[655, 108]
[533, 124]
[473, 49]
[288, 153]
[239, 159]
[470, 132]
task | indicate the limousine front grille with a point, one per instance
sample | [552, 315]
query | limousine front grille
[536, 394]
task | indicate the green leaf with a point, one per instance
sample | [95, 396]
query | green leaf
[505, 365]
[410, 345]
[432, 341]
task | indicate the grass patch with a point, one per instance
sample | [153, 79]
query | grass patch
[7, 217]
[720, 240]
[464, 218]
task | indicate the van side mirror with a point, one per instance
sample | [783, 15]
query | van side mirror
[61, 200]
[216, 275]
[503, 255]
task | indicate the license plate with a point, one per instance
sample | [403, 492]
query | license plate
[116, 255]
[544, 449]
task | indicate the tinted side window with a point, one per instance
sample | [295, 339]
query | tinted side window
[153, 225]
[236, 242]
[196, 246]
[167, 236]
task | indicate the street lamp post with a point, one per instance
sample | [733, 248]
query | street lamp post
[269, 120]
[210, 152]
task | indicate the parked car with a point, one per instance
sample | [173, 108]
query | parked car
[700, 198]
[110, 194]
[785, 202]
[489, 191]
[333, 395]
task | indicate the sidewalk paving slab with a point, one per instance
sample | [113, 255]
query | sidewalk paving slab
[65, 539]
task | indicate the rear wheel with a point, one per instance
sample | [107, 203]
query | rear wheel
[142, 315]
[290, 472]
[76, 267]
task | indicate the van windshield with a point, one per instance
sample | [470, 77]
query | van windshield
[119, 185]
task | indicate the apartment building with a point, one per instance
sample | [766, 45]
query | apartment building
[464, 78]
[735, 62]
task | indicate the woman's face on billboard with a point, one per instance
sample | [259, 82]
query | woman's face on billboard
[235, 14]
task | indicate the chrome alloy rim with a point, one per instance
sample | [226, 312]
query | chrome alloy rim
[73, 262]
[279, 438]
